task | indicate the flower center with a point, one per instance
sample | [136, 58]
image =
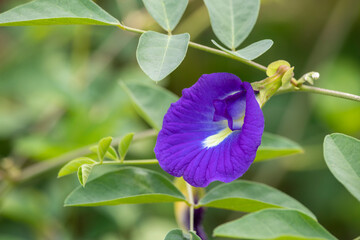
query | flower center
[232, 109]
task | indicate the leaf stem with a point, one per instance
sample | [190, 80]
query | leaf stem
[311, 89]
[191, 207]
[205, 49]
[131, 162]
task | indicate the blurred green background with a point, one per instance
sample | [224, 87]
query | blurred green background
[59, 90]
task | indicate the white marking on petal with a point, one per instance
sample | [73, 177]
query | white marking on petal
[216, 139]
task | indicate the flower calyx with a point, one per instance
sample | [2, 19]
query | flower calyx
[280, 75]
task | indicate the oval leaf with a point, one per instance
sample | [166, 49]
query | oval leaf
[248, 196]
[159, 54]
[125, 186]
[232, 20]
[84, 172]
[250, 52]
[274, 146]
[342, 155]
[274, 224]
[73, 166]
[151, 102]
[103, 147]
[177, 234]
[45, 12]
[166, 12]
[124, 145]
[255, 50]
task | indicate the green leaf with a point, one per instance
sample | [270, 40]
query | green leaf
[125, 186]
[103, 147]
[274, 224]
[342, 155]
[57, 12]
[249, 196]
[73, 165]
[110, 154]
[274, 146]
[158, 54]
[84, 172]
[177, 234]
[151, 102]
[250, 52]
[286, 79]
[124, 145]
[166, 12]
[232, 20]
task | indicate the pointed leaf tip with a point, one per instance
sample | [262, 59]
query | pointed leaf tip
[124, 145]
[103, 147]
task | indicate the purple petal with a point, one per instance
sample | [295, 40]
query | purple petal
[206, 136]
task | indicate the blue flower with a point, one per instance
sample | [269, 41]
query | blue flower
[212, 132]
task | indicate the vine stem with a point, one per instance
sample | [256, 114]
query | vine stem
[311, 89]
[191, 207]
[50, 164]
[257, 66]
[205, 49]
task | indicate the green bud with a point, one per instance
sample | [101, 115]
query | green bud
[279, 74]
[309, 77]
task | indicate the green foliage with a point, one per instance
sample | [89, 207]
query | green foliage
[342, 155]
[110, 153]
[151, 102]
[159, 54]
[250, 52]
[124, 145]
[285, 80]
[125, 186]
[166, 12]
[74, 165]
[274, 146]
[103, 147]
[57, 12]
[274, 224]
[248, 196]
[84, 172]
[177, 234]
[232, 20]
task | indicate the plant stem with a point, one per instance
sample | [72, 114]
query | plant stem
[50, 164]
[205, 49]
[311, 89]
[224, 54]
[131, 162]
[257, 66]
[191, 207]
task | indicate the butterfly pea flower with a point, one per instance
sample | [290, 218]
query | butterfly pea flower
[212, 132]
